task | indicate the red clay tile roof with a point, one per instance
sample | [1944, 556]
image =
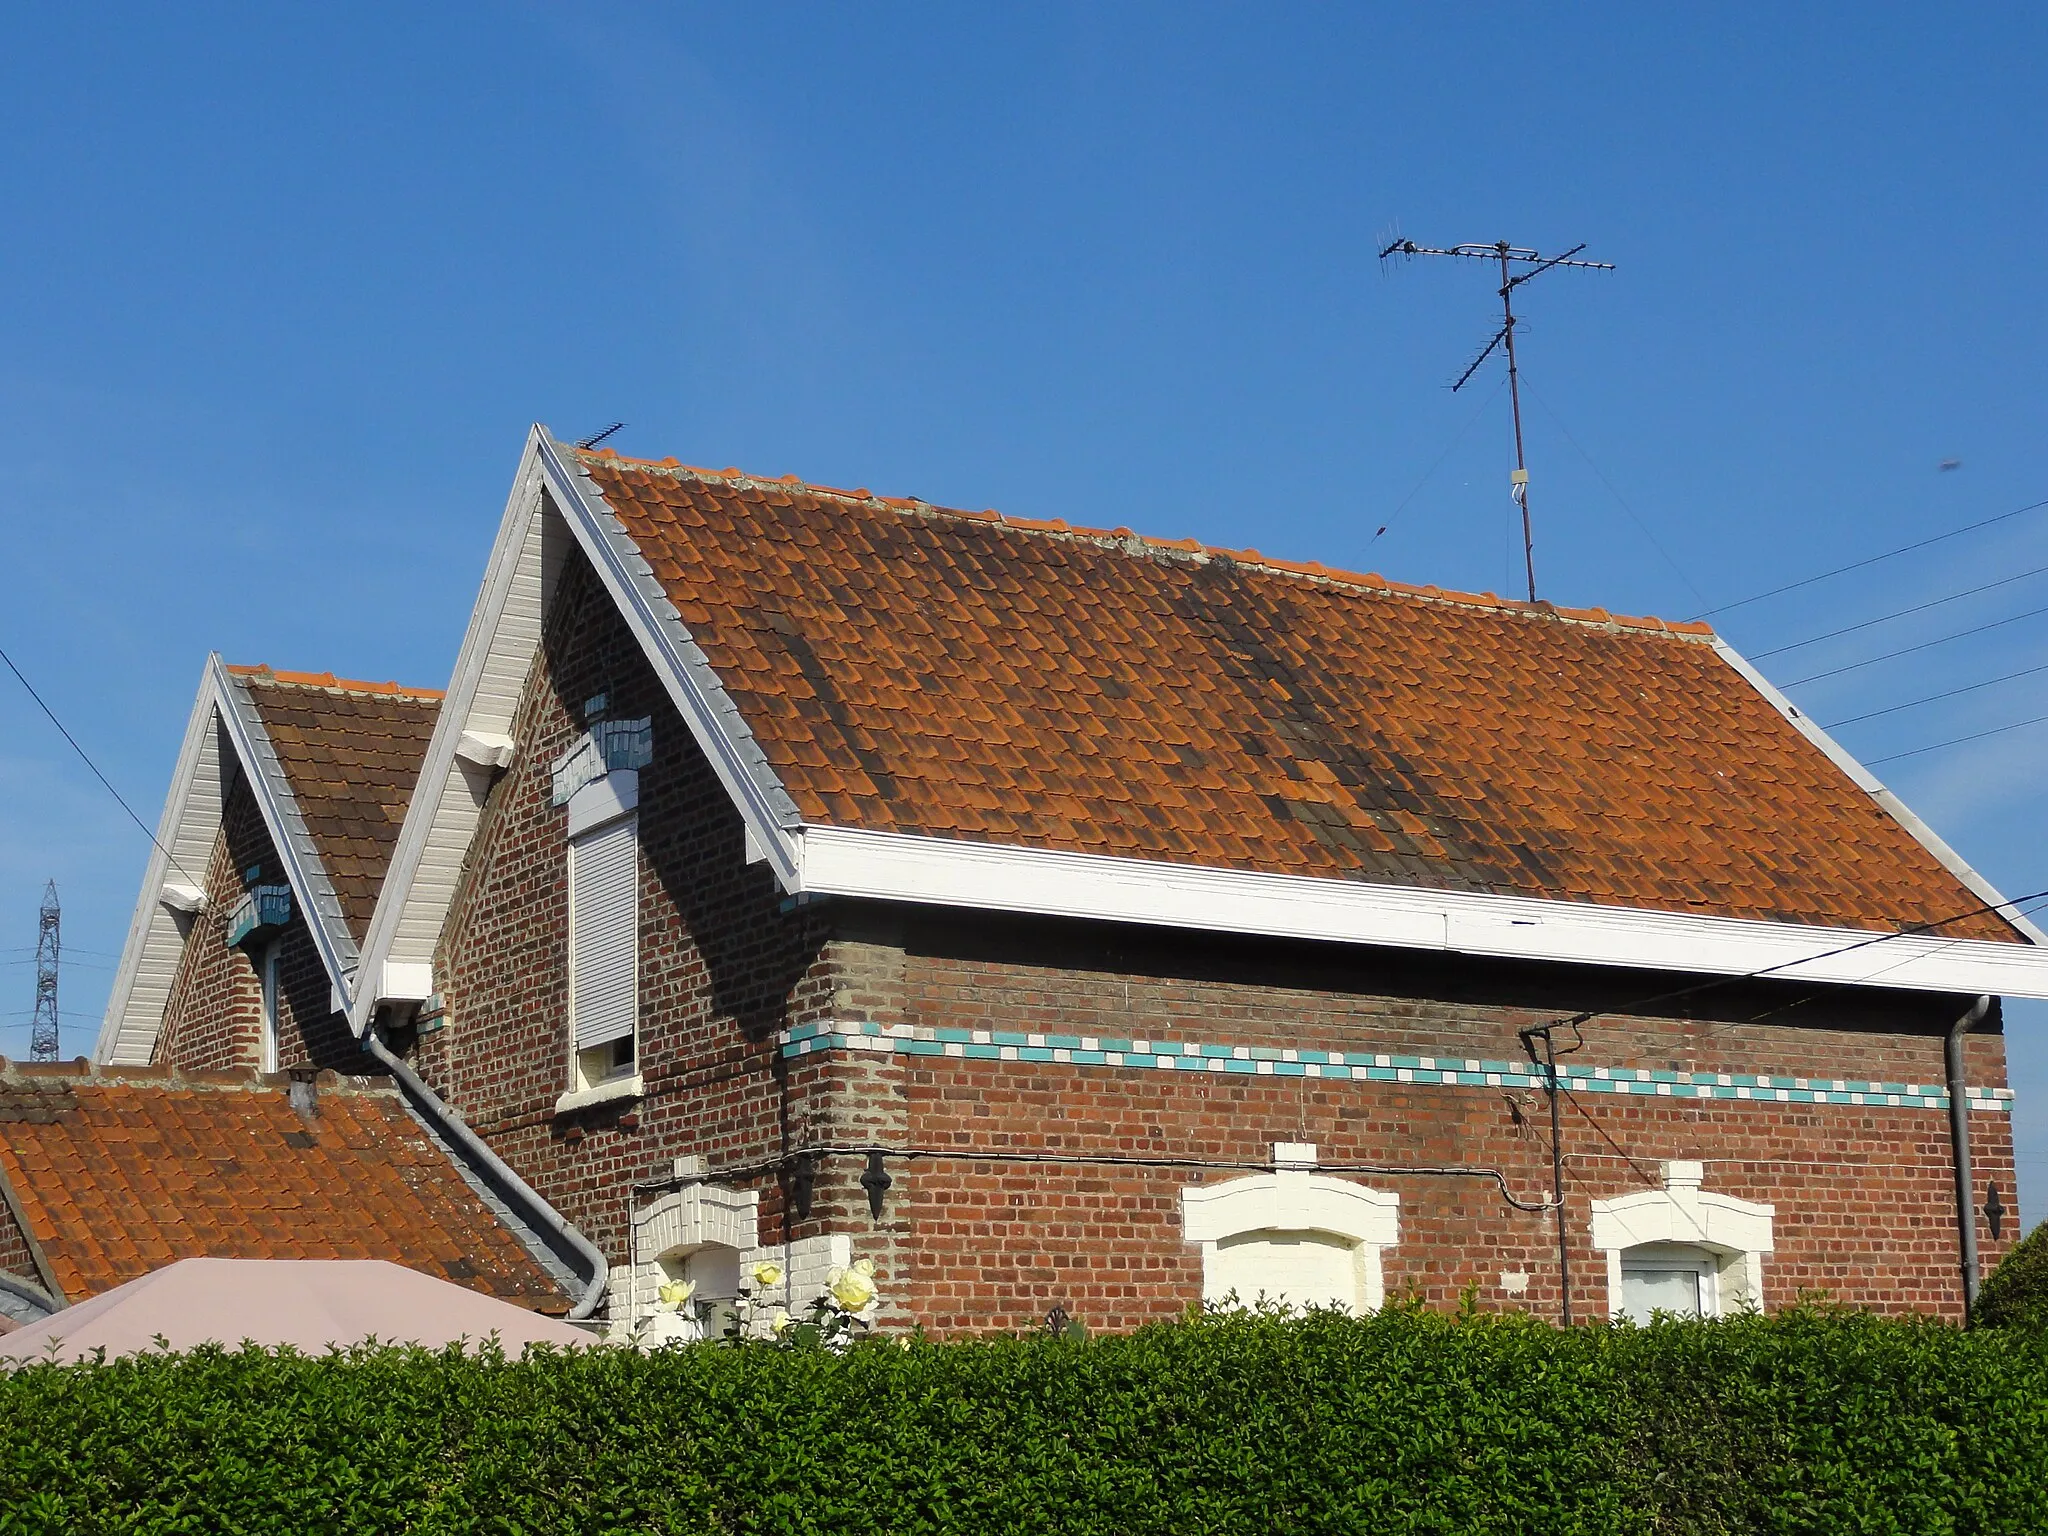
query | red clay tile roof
[118, 1176]
[351, 752]
[909, 668]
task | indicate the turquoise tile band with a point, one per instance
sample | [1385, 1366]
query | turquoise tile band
[1363, 1066]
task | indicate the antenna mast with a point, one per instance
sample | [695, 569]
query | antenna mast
[1509, 257]
[42, 1040]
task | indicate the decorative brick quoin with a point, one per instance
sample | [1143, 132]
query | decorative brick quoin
[1066, 920]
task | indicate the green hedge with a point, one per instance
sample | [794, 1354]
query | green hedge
[2016, 1294]
[1408, 1422]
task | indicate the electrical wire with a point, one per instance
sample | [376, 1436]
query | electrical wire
[1470, 422]
[1933, 698]
[1619, 1151]
[1495, 1176]
[1857, 565]
[1913, 930]
[1955, 741]
[1886, 618]
[87, 760]
[1620, 500]
[1925, 645]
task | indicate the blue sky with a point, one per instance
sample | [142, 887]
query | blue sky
[282, 288]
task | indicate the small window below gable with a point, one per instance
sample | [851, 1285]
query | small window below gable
[1681, 1249]
[1292, 1237]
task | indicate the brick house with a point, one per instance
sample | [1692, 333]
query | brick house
[1066, 919]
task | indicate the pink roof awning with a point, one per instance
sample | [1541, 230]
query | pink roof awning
[310, 1304]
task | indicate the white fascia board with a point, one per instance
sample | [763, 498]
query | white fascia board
[287, 828]
[1872, 786]
[885, 866]
[442, 810]
[693, 686]
[149, 958]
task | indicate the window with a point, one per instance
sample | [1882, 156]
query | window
[1681, 1249]
[266, 971]
[604, 951]
[1293, 1237]
[1674, 1278]
[698, 1233]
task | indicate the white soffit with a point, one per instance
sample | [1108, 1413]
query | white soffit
[885, 866]
[483, 696]
[185, 833]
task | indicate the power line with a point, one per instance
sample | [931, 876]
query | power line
[1957, 741]
[1911, 930]
[87, 760]
[1619, 1150]
[1933, 698]
[1925, 645]
[1900, 613]
[1857, 565]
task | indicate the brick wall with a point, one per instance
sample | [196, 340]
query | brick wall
[213, 1019]
[1863, 1194]
[14, 1253]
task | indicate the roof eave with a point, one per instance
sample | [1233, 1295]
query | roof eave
[882, 866]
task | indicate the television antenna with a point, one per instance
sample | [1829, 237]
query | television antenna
[1518, 265]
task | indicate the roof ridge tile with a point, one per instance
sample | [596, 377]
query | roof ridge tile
[264, 672]
[1310, 570]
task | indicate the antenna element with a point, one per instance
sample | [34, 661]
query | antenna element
[1510, 257]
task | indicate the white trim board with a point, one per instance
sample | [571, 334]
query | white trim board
[224, 726]
[884, 866]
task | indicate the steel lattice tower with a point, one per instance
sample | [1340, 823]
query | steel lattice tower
[42, 1040]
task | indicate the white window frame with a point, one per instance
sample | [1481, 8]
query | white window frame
[1291, 1202]
[596, 1075]
[1674, 1259]
[272, 1005]
[1682, 1225]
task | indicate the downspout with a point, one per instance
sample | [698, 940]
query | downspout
[538, 1210]
[1959, 1138]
